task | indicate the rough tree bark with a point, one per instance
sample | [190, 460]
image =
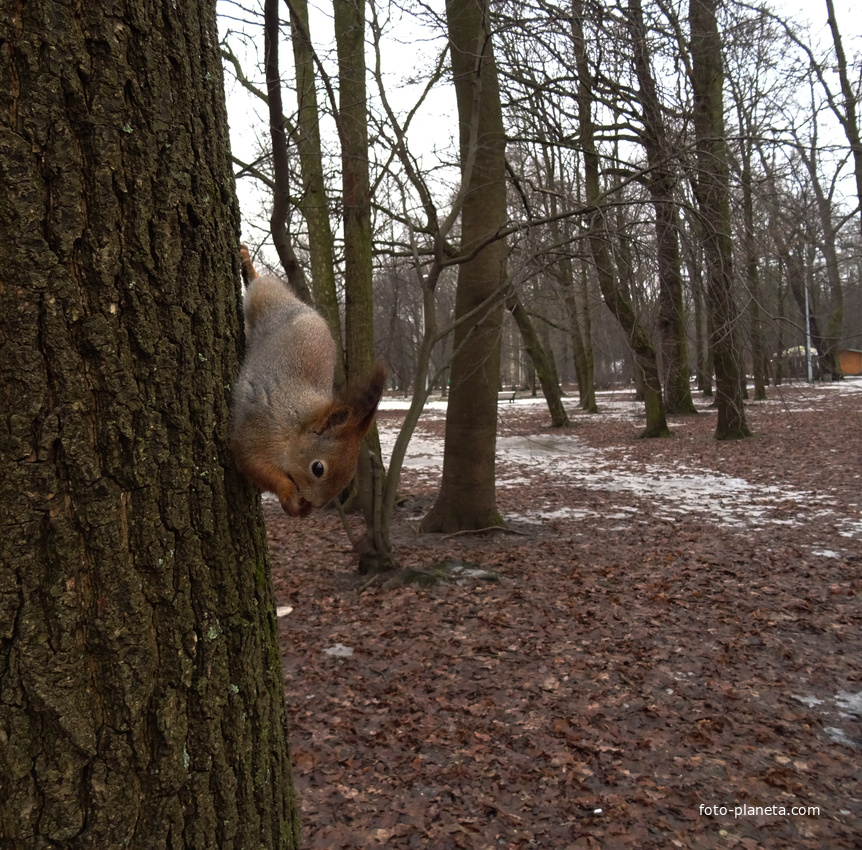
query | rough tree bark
[467, 498]
[579, 313]
[848, 116]
[349, 15]
[614, 295]
[141, 695]
[661, 183]
[712, 190]
[833, 318]
[542, 362]
[356, 195]
[314, 203]
[280, 217]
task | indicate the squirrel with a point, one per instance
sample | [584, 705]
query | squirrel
[294, 434]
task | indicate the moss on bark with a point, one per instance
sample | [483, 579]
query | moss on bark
[141, 702]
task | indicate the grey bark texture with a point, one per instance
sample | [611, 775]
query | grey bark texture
[141, 699]
[467, 498]
[712, 190]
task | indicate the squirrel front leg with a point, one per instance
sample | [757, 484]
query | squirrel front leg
[271, 479]
[249, 272]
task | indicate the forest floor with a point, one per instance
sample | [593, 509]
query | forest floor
[669, 655]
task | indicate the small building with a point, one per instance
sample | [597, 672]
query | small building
[851, 361]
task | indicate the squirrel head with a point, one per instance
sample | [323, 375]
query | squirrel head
[325, 453]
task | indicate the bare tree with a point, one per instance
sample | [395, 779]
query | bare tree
[467, 498]
[827, 244]
[846, 111]
[313, 198]
[661, 182]
[712, 189]
[281, 236]
[546, 371]
[615, 296]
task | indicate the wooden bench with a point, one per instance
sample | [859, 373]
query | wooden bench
[506, 396]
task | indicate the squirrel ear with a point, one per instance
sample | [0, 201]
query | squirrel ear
[353, 408]
[362, 399]
[337, 416]
[327, 417]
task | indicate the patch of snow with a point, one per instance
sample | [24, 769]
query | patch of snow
[849, 704]
[339, 651]
[539, 447]
[671, 489]
[283, 610]
[473, 572]
[683, 677]
[505, 481]
[840, 736]
[848, 385]
[434, 404]
[811, 702]
[732, 501]
[825, 553]
[850, 528]
[559, 513]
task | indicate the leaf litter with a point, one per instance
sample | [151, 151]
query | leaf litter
[678, 628]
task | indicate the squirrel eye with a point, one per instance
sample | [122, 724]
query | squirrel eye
[317, 469]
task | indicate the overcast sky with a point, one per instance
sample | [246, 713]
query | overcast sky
[408, 48]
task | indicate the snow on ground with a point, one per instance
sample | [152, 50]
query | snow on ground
[844, 704]
[675, 488]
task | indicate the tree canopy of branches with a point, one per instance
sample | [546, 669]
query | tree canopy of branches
[678, 192]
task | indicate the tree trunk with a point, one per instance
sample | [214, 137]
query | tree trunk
[543, 364]
[614, 295]
[781, 293]
[579, 321]
[582, 339]
[750, 248]
[848, 118]
[279, 223]
[703, 361]
[314, 203]
[467, 498]
[578, 313]
[356, 195]
[661, 184]
[712, 190]
[376, 553]
[797, 283]
[671, 318]
[142, 698]
[834, 318]
[752, 277]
